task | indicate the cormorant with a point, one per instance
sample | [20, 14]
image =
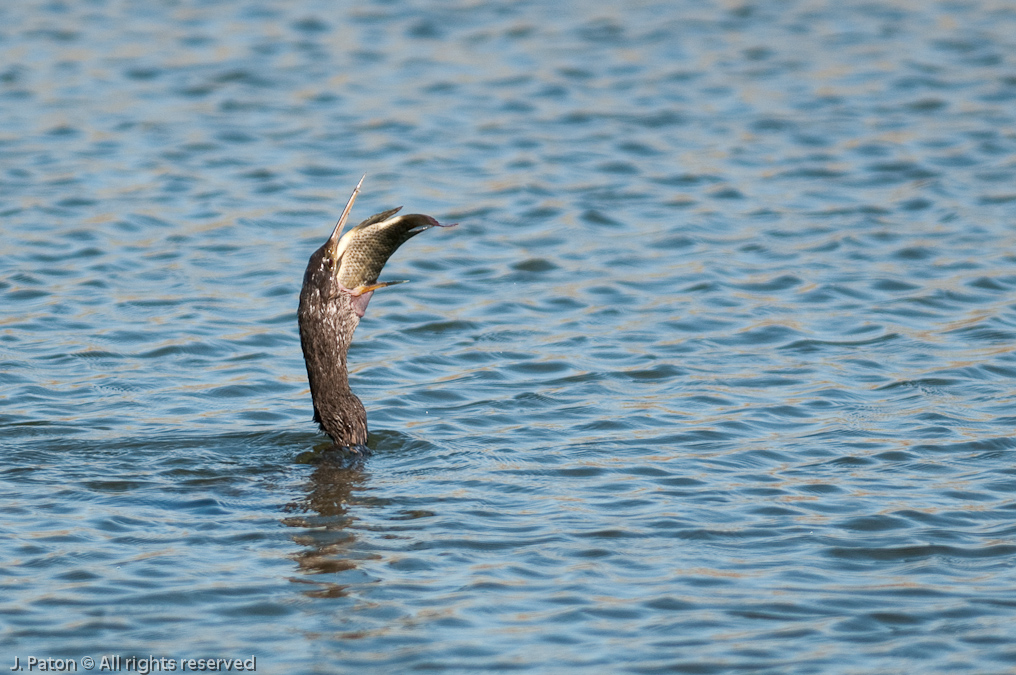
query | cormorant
[340, 279]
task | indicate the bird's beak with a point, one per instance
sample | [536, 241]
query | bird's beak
[333, 251]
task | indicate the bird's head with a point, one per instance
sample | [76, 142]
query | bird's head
[347, 266]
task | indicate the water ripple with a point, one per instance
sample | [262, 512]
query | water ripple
[713, 375]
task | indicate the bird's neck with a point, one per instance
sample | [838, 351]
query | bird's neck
[326, 331]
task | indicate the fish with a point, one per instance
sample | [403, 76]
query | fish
[359, 255]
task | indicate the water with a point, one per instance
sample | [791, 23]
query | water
[715, 374]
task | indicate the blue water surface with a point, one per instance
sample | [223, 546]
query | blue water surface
[715, 374]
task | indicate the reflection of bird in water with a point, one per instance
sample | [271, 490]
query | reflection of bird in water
[322, 518]
[340, 279]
